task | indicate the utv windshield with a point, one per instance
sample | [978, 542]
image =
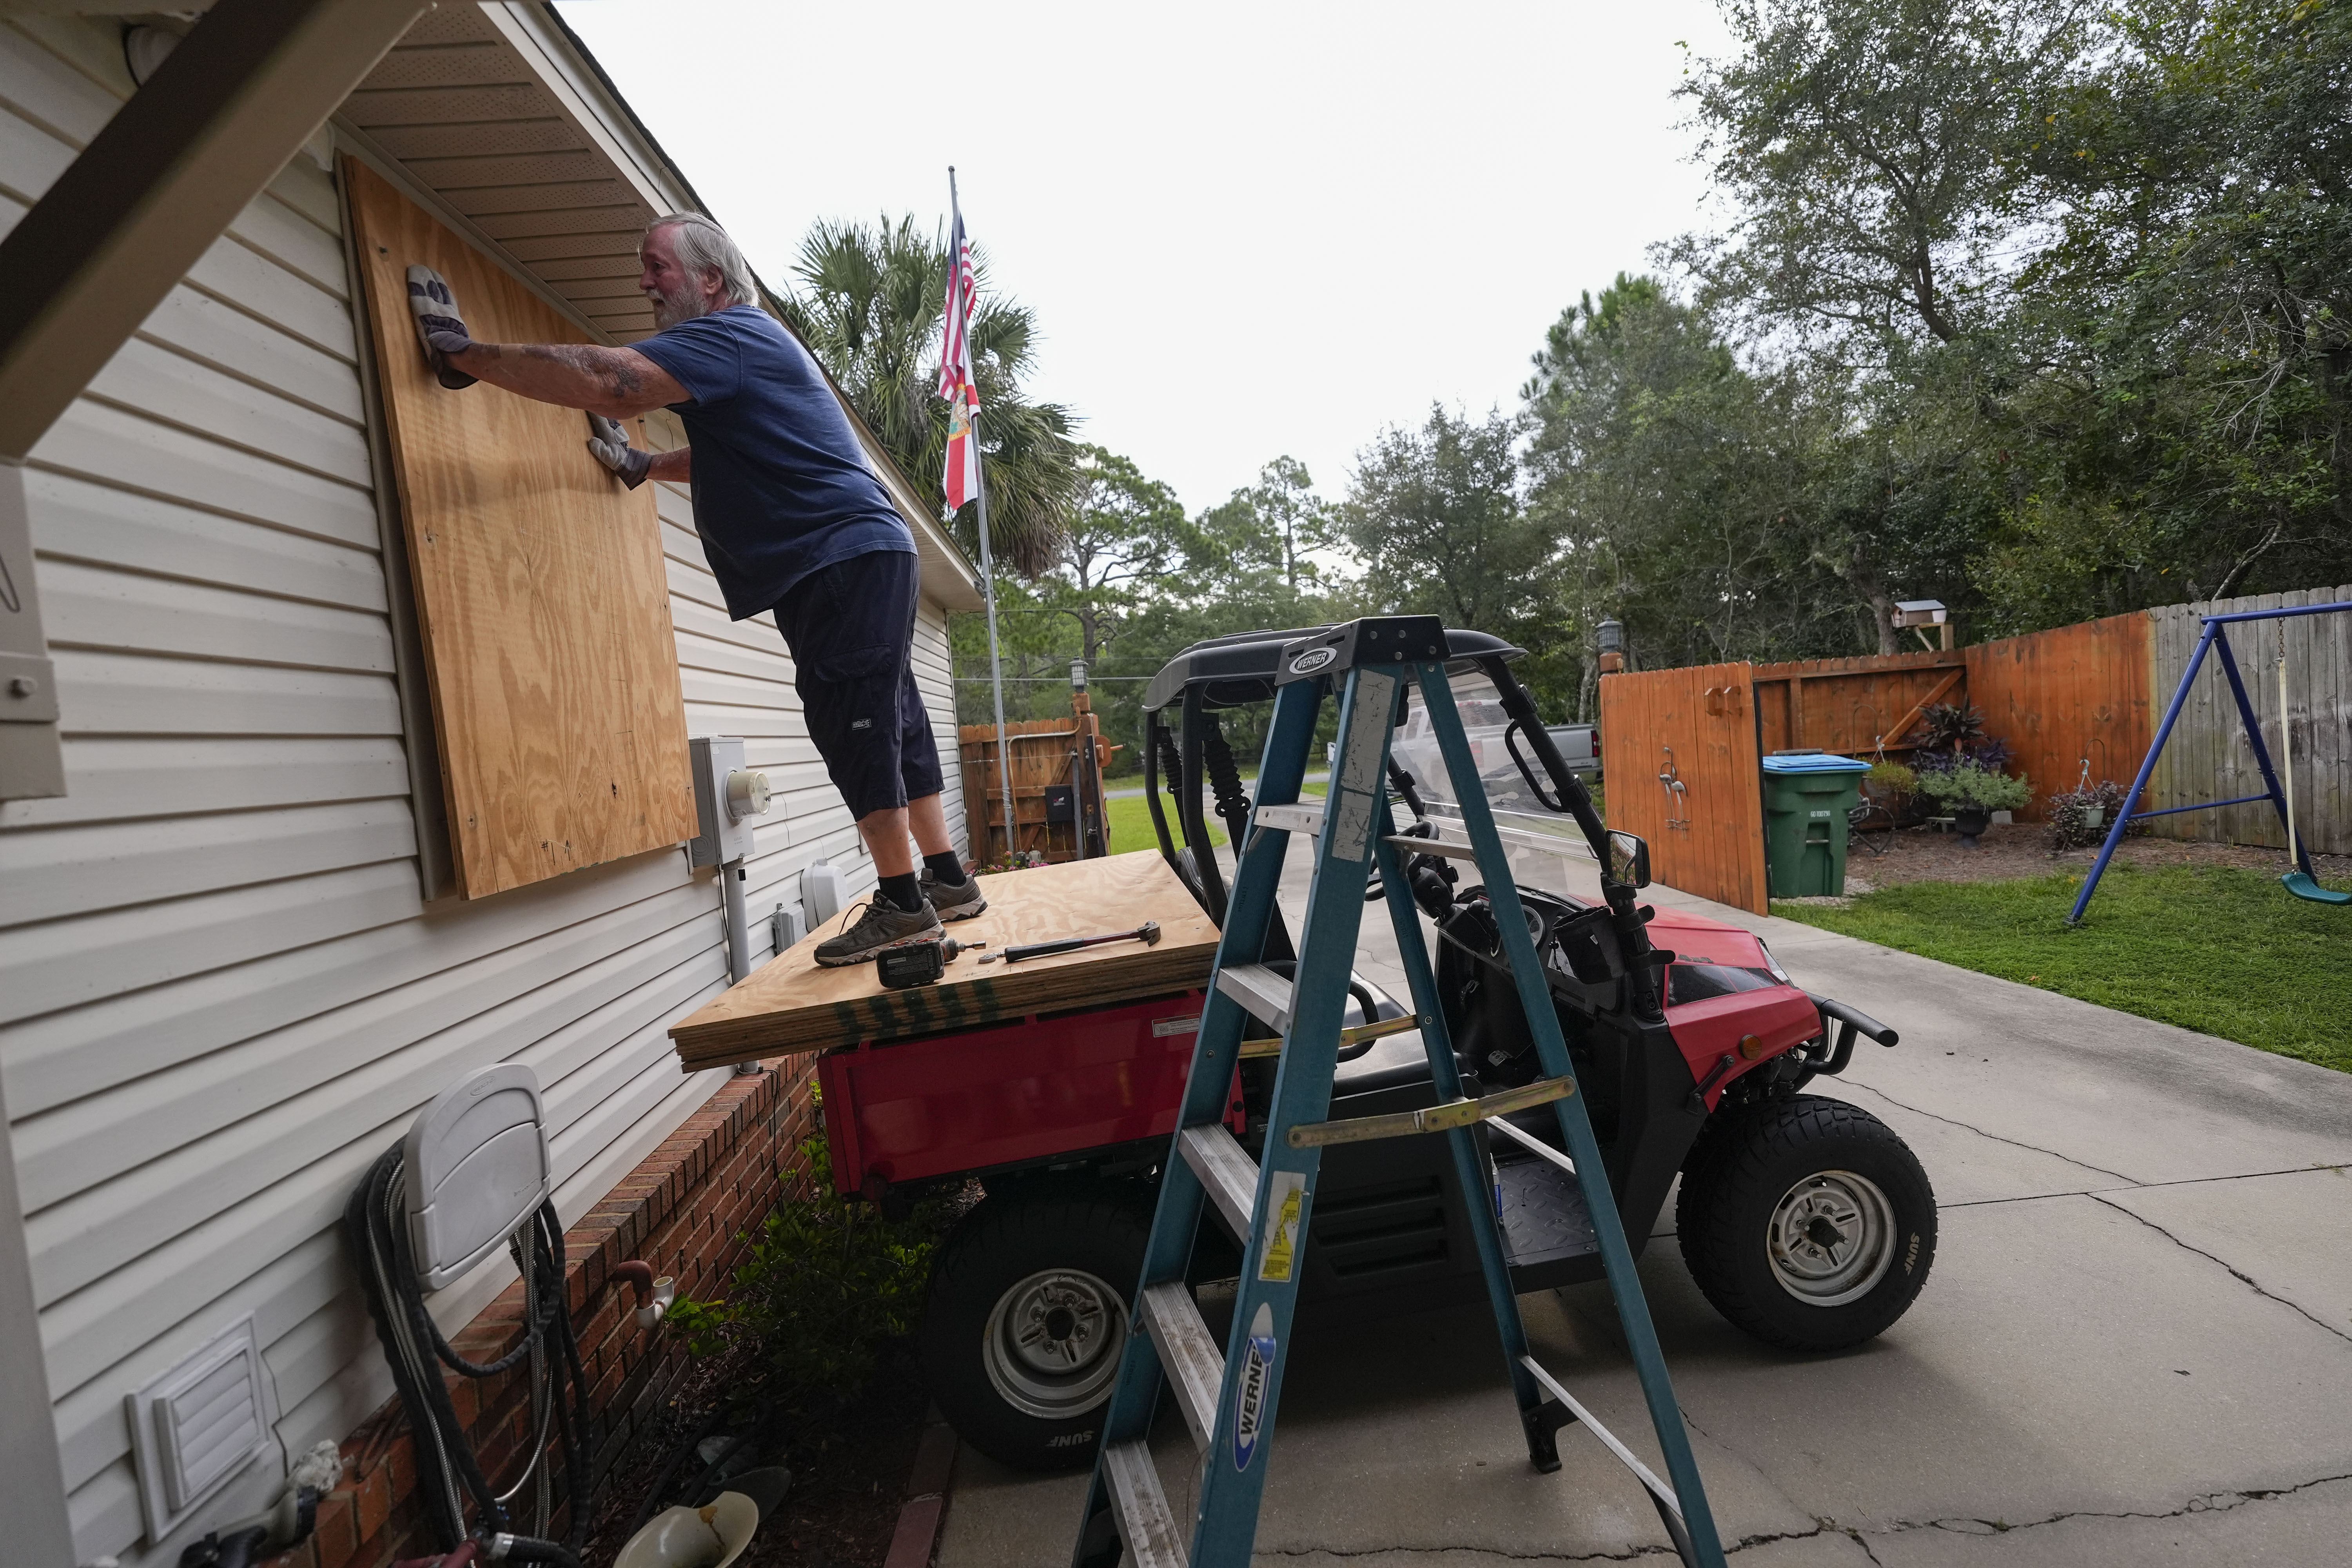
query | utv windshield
[1517, 809]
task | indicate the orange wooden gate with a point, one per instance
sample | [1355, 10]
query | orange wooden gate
[1680, 747]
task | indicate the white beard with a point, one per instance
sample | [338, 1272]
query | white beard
[669, 309]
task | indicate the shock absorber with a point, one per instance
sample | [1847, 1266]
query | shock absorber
[1224, 780]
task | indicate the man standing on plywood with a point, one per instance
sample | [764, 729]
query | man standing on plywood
[792, 519]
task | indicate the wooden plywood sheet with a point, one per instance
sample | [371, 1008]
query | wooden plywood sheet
[540, 585]
[790, 1005]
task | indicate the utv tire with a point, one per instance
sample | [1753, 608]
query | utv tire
[1807, 1222]
[1028, 1313]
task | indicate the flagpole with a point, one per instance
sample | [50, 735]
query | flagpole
[995, 662]
[988, 590]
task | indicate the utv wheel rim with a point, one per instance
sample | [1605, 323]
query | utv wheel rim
[1051, 1345]
[1831, 1238]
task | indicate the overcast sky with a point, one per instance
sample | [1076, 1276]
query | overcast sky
[1245, 230]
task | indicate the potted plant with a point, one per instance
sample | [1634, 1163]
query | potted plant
[1972, 793]
[1890, 785]
[2080, 817]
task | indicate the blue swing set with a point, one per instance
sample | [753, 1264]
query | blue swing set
[2298, 879]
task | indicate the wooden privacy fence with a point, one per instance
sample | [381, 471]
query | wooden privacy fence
[2208, 757]
[2056, 697]
[1851, 705]
[2091, 693]
[1057, 791]
[1683, 774]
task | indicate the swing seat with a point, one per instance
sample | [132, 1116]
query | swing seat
[2302, 885]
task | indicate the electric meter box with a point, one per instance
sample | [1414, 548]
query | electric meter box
[727, 796]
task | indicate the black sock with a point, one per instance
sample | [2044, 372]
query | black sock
[902, 891]
[946, 869]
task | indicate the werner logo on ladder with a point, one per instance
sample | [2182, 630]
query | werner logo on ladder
[1231, 1401]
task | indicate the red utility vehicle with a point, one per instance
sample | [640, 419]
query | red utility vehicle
[1805, 1220]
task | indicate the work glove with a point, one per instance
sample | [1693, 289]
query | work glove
[439, 325]
[611, 445]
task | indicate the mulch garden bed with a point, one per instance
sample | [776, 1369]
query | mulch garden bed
[849, 1470]
[2012, 850]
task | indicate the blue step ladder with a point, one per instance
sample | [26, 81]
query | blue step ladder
[1229, 1400]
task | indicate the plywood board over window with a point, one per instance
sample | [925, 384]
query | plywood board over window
[540, 585]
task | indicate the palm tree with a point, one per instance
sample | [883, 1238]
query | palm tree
[869, 308]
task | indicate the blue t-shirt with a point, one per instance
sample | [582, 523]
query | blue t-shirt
[781, 486]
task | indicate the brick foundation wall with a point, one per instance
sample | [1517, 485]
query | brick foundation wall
[685, 1211]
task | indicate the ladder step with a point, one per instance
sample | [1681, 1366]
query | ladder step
[1227, 1171]
[1264, 995]
[1141, 1508]
[1195, 1367]
[1444, 849]
[1305, 817]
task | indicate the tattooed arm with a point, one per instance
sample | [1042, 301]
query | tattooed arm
[620, 384]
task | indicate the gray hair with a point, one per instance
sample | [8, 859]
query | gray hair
[703, 247]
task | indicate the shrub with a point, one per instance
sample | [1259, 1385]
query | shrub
[1993, 754]
[1892, 782]
[829, 1282]
[2068, 814]
[1969, 783]
[1949, 727]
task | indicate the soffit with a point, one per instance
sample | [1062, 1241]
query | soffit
[464, 114]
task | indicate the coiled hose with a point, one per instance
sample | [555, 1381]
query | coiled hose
[376, 1230]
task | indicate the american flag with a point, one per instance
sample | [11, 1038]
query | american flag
[956, 385]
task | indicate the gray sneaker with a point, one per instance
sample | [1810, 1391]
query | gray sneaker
[960, 903]
[883, 925]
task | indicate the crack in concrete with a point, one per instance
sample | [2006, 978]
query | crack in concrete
[2132, 1186]
[1630, 1554]
[2236, 1273]
[2204, 1502]
[1959, 1524]
[2012, 1142]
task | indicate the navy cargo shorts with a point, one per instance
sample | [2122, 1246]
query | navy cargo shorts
[851, 630]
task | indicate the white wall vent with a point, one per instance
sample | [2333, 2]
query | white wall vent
[199, 1423]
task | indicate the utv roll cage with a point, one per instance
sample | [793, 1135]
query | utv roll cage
[1227, 672]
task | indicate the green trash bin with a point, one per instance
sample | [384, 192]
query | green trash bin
[1807, 796]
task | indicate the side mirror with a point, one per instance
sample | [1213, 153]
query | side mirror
[1629, 860]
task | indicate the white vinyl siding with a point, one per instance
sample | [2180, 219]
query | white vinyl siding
[220, 995]
[935, 673]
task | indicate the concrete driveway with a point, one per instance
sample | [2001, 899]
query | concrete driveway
[2135, 1348]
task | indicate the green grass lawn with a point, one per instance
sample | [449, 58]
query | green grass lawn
[1131, 824]
[2220, 950]
[1130, 820]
